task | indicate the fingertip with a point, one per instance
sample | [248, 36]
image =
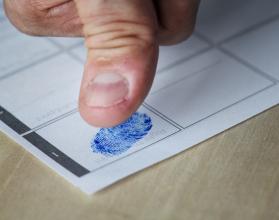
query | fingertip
[122, 56]
[106, 116]
[113, 89]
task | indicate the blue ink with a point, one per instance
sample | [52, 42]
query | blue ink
[118, 139]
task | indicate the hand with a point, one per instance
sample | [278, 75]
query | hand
[122, 38]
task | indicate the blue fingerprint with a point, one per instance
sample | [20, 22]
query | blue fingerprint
[118, 139]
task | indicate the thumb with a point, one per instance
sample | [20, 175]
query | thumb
[121, 60]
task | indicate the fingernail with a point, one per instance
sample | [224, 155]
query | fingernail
[106, 89]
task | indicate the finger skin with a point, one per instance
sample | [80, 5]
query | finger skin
[44, 17]
[46, 4]
[177, 20]
[121, 40]
[122, 36]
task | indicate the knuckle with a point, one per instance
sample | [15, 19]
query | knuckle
[184, 30]
[22, 15]
[174, 36]
[119, 34]
[40, 18]
[181, 27]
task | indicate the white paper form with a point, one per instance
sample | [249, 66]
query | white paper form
[225, 73]
[2, 14]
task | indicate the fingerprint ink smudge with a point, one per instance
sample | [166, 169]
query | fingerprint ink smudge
[116, 140]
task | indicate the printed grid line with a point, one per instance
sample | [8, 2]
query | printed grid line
[168, 136]
[212, 45]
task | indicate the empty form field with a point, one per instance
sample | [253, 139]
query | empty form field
[67, 42]
[44, 91]
[170, 55]
[260, 48]
[19, 50]
[204, 89]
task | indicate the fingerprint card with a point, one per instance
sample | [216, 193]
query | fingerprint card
[224, 74]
